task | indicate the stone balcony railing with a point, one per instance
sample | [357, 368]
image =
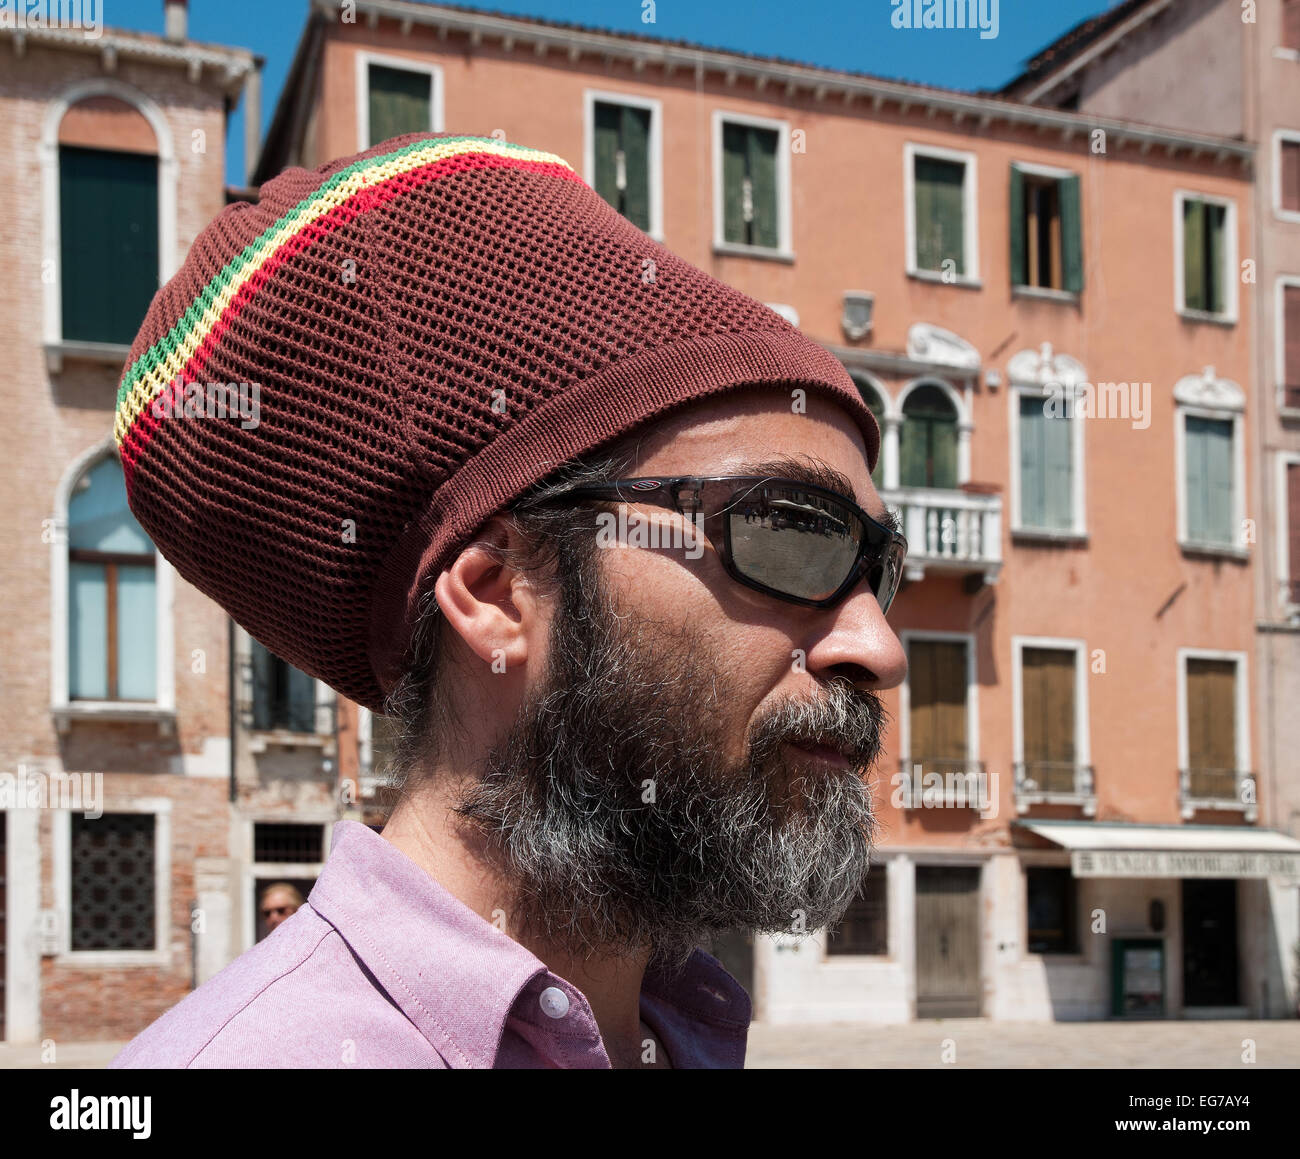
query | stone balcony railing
[1055, 783]
[959, 532]
[1227, 789]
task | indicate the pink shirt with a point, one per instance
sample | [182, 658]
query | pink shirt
[382, 967]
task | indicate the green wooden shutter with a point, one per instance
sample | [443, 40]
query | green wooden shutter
[302, 700]
[1016, 219]
[943, 453]
[263, 666]
[605, 134]
[401, 101]
[939, 213]
[636, 154]
[1033, 486]
[733, 179]
[1208, 452]
[878, 413]
[762, 174]
[1058, 483]
[1194, 255]
[1071, 210]
[108, 229]
[1216, 258]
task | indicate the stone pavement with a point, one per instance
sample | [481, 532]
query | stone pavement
[977, 1043]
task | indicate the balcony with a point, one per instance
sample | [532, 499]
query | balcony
[943, 783]
[1055, 783]
[1206, 788]
[955, 532]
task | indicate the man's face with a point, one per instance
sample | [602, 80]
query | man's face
[693, 758]
[277, 907]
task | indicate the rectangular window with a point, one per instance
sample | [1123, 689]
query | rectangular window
[1046, 233]
[621, 148]
[1291, 24]
[113, 882]
[1291, 346]
[1209, 481]
[939, 207]
[282, 842]
[1293, 532]
[1051, 907]
[283, 697]
[1046, 465]
[108, 237]
[750, 185]
[1288, 163]
[864, 928]
[1048, 681]
[1212, 728]
[400, 101]
[937, 675]
[1205, 256]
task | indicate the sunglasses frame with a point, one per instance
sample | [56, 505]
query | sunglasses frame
[686, 494]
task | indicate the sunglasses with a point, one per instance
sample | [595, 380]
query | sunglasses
[794, 541]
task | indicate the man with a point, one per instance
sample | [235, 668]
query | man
[279, 901]
[614, 744]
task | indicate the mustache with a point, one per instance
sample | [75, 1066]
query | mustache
[844, 718]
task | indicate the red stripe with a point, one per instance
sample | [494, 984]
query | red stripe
[146, 423]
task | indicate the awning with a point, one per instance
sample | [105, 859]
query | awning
[1119, 850]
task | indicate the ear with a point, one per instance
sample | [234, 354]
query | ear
[490, 605]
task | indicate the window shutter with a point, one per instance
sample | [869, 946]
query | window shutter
[636, 153]
[1071, 211]
[950, 701]
[762, 171]
[1217, 257]
[87, 631]
[1220, 483]
[1198, 516]
[1291, 324]
[605, 134]
[921, 686]
[913, 453]
[302, 700]
[1211, 714]
[878, 413]
[401, 101]
[1194, 256]
[939, 213]
[1293, 528]
[1019, 271]
[1289, 162]
[137, 626]
[263, 665]
[1048, 679]
[1058, 481]
[1291, 23]
[108, 225]
[733, 180]
[1033, 486]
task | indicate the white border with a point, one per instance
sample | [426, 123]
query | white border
[970, 213]
[1230, 274]
[972, 692]
[1241, 725]
[164, 597]
[1280, 136]
[655, 147]
[784, 227]
[364, 60]
[1082, 729]
[51, 224]
[160, 955]
[1284, 459]
[1182, 411]
[1078, 510]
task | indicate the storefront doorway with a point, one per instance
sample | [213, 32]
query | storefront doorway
[1210, 969]
[947, 942]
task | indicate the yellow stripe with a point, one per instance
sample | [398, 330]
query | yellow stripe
[156, 379]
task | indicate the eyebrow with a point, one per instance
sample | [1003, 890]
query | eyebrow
[811, 470]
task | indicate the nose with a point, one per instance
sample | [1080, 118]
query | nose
[856, 643]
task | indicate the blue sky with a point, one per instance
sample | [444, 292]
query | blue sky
[857, 35]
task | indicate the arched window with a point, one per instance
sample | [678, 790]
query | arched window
[877, 406]
[928, 448]
[112, 596]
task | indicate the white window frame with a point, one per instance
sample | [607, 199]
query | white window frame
[970, 213]
[1284, 459]
[654, 146]
[1230, 273]
[408, 64]
[1280, 137]
[1086, 792]
[784, 248]
[64, 710]
[1225, 412]
[961, 400]
[278, 869]
[1283, 282]
[1033, 169]
[1241, 731]
[160, 955]
[906, 638]
[1078, 528]
[259, 740]
[51, 222]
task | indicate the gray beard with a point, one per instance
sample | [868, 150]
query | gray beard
[611, 809]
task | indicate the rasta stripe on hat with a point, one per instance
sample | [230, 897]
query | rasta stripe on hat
[427, 329]
[360, 186]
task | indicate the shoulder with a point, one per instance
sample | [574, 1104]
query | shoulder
[299, 998]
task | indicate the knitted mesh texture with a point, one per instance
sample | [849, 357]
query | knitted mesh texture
[434, 326]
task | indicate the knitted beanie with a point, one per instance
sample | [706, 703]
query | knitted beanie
[346, 380]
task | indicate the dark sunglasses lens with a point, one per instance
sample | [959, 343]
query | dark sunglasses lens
[793, 541]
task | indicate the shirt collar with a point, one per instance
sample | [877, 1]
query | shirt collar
[457, 977]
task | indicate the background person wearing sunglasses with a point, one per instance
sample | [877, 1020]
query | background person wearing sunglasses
[610, 752]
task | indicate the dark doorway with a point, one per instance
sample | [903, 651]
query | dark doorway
[947, 942]
[1210, 943]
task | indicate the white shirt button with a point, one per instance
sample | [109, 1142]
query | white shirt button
[554, 1002]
